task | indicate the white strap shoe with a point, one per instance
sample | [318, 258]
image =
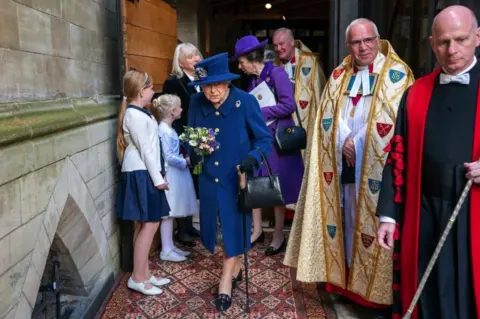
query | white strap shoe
[172, 256]
[159, 282]
[181, 252]
[140, 287]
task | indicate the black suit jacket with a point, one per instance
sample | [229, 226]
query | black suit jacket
[179, 87]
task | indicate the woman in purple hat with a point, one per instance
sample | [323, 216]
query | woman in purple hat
[249, 53]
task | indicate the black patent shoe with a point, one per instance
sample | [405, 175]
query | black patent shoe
[273, 251]
[260, 239]
[236, 280]
[223, 302]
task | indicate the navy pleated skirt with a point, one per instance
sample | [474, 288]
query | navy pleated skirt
[139, 200]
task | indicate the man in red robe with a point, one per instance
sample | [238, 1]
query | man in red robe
[434, 151]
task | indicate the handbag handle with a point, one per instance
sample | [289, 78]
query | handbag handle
[298, 117]
[265, 160]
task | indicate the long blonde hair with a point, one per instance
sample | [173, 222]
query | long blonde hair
[164, 103]
[133, 82]
[181, 51]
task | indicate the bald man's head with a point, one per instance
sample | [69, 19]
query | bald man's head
[455, 35]
[455, 11]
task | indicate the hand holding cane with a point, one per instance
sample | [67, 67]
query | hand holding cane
[436, 253]
[242, 183]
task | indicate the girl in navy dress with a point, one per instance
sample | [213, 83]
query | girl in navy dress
[141, 196]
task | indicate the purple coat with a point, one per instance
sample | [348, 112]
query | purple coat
[289, 167]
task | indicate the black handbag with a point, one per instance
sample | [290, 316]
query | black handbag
[291, 138]
[262, 191]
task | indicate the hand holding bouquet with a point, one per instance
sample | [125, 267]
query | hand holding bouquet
[203, 142]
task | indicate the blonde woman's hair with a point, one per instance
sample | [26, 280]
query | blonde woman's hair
[181, 51]
[133, 82]
[164, 103]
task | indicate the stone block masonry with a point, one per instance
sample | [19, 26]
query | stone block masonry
[59, 192]
[57, 48]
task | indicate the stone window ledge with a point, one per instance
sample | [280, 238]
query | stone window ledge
[26, 120]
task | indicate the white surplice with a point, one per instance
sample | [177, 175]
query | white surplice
[353, 126]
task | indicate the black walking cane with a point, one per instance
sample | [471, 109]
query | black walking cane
[242, 176]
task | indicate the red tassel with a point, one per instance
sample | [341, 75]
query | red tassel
[395, 256]
[397, 139]
[396, 233]
[396, 287]
[399, 164]
[388, 148]
[398, 195]
[399, 147]
[398, 181]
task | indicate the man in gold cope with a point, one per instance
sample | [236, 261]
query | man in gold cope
[333, 233]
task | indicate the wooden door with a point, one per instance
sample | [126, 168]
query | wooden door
[149, 29]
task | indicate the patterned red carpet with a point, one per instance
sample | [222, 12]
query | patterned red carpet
[273, 293]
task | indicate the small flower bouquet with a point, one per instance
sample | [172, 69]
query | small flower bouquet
[203, 142]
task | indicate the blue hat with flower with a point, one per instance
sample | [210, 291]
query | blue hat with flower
[213, 70]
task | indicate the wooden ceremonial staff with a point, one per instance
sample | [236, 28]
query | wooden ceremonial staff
[436, 253]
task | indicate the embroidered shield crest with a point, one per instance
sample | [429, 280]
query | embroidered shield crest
[374, 185]
[328, 177]
[395, 75]
[332, 230]
[306, 70]
[338, 72]
[326, 123]
[367, 240]
[383, 129]
[303, 104]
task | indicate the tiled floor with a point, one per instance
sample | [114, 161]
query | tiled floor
[343, 308]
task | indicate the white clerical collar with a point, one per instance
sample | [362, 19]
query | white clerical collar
[466, 70]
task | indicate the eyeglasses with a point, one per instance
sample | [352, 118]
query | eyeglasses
[367, 41]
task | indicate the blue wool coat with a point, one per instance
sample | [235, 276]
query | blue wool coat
[240, 128]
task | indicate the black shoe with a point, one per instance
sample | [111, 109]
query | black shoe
[237, 279]
[260, 239]
[193, 232]
[273, 251]
[184, 242]
[223, 302]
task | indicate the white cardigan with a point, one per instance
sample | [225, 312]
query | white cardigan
[143, 150]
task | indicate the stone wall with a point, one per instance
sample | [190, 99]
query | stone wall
[192, 16]
[59, 68]
[57, 48]
[59, 186]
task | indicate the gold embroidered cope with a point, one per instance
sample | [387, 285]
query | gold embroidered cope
[316, 243]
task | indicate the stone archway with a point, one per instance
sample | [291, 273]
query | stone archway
[73, 224]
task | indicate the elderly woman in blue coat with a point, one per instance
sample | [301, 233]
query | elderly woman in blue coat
[241, 131]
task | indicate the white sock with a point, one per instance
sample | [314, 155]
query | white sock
[166, 231]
